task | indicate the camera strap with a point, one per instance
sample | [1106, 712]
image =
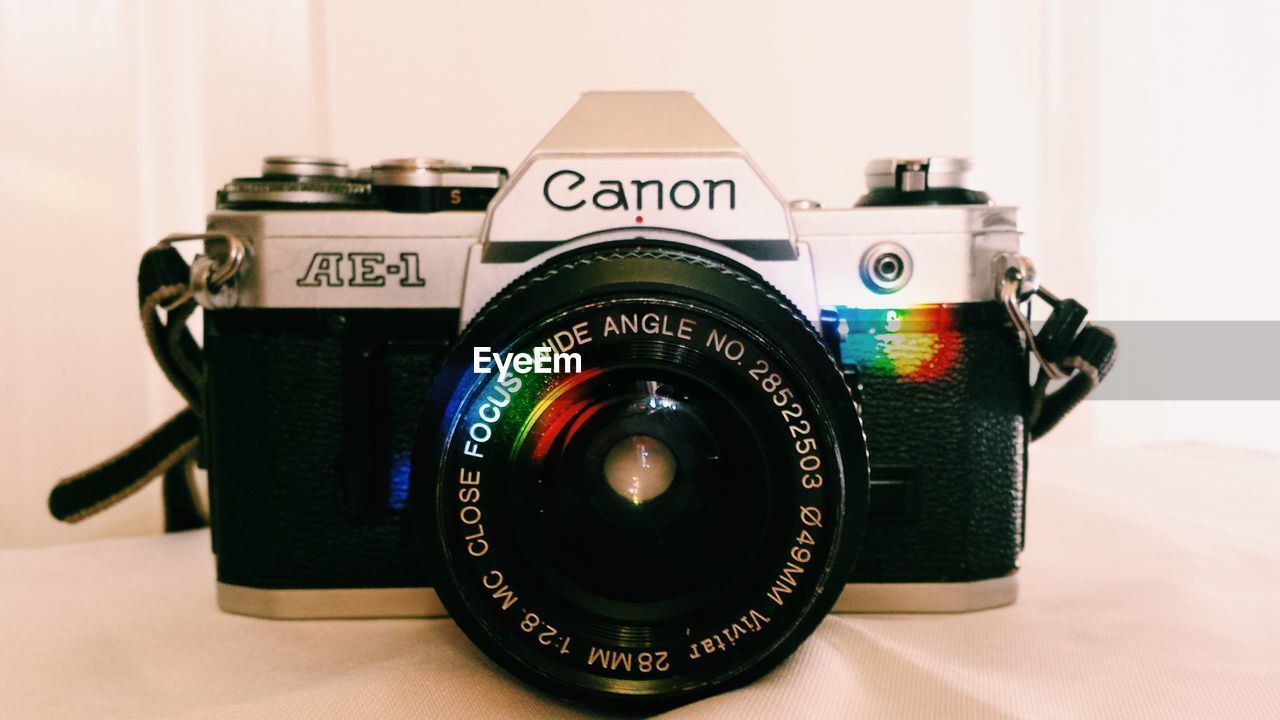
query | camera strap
[169, 450]
[1074, 353]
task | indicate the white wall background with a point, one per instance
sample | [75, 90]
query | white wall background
[1133, 133]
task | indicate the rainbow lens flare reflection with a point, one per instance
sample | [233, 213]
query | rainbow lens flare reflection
[575, 409]
[511, 407]
[918, 344]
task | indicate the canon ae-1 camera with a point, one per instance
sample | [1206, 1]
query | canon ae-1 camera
[633, 420]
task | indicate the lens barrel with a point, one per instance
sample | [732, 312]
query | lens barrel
[667, 520]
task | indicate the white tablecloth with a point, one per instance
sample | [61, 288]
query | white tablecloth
[1150, 588]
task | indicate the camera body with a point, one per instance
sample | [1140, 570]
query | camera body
[319, 353]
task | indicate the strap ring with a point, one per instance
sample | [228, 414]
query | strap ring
[213, 277]
[1016, 282]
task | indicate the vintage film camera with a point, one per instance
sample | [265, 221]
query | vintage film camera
[673, 514]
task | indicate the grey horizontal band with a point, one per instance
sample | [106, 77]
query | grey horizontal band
[1193, 360]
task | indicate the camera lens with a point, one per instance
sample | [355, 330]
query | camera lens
[886, 268]
[666, 519]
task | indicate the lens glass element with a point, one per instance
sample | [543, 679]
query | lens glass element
[645, 491]
[639, 468]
